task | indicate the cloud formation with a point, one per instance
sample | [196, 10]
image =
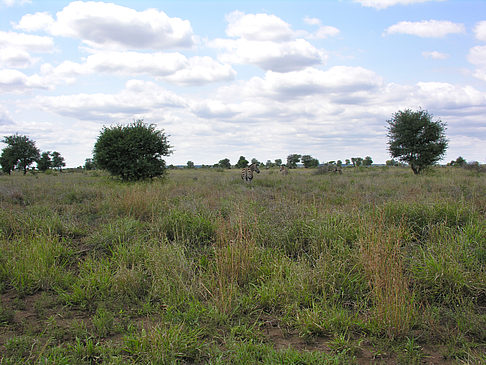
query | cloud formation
[107, 25]
[14, 81]
[173, 67]
[16, 48]
[435, 55]
[267, 42]
[383, 4]
[135, 100]
[480, 31]
[426, 28]
[477, 56]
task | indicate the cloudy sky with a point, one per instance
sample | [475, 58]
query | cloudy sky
[262, 79]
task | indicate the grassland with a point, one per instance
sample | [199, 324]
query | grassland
[374, 265]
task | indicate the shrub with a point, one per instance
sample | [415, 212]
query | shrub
[132, 152]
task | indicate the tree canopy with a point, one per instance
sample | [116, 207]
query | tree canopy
[416, 139]
[20, 153]
[133, 151]
[242, 162]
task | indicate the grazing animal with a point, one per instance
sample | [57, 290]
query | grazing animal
[284, 170]
[247, 172]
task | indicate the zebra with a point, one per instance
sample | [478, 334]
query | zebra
[284, 170]
[247, 172]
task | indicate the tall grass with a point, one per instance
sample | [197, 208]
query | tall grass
[201, 268]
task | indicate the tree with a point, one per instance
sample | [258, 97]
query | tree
[292, 161]
[89, 164]
[339, 163]
[413, 137]
[391, 162]
[7, 160]
[242, 162]
[133, 151]
[367, 161]
[225, 163]
[20, 153]
[347, 162]
[269, 164]
[460, 161]
[44, 163]
[190, 164]
[357, 161]
[278, 162]
[57, 160]
[309, 161]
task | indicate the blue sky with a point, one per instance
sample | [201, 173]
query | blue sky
[262, 79]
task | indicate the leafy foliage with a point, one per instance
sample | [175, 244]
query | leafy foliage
[225, 163]
[309, 161]
[242, 162]
[416, 139]
[57, 160]
[132, 152]
[44, 162]
[20, 153]
[292, 161]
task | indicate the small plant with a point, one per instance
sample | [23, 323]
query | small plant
[103, 322]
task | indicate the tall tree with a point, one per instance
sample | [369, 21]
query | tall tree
[309, 161]
[8, 160]
[368, 161]
[89, 164]
[20, 152]
[242, 162]
[57, 160]
[44, 162]
[225, 163]
[413, 137]
[292, 160]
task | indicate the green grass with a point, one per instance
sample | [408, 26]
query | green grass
[375, 264]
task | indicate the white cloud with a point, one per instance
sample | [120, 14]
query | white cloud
[15, 58]
[426, 28]
[15, 2]
[107, 25]
[383, 4]
[5, 118]
[323, 31]
[201, 70]
[477, 56]
[16, 48]
[435, 55]
[36, 22]
[311, 81]
[258, 27]
[173, 67]
[27, 42]
[280, 57]
[480, 31]
[136, 100]
[14, 81]
[445, 96]
[266, 41]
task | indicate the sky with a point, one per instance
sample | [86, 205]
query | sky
[262, 79]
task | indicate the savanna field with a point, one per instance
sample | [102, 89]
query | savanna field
[375, 265]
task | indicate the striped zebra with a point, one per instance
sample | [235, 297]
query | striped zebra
[284, 170]
[247, 172]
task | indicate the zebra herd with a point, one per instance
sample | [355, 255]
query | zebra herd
[247, 172]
